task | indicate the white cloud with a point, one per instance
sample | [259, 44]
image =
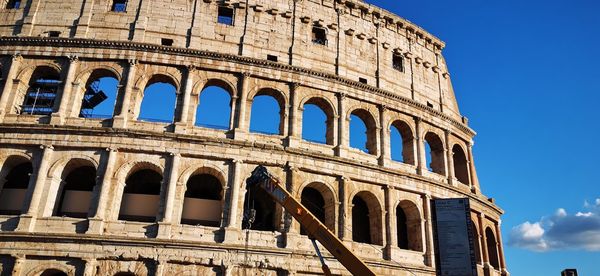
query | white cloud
[560, 231]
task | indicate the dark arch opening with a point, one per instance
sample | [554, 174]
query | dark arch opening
[267, 113]
[141, 196]
[100, 95]
[315, 203]
[76, 195]
[265, 210]
[214, 107]
[492, 248]
[402, 143]
[461, 169]
[202, 203]
[16, 182]
[53, 272]
[475, 233]
[42, 93]
[362, 131]
[361, 225]
[401, 228]
[408, 221]
[434, 148]
[160, 97]
[317, 121]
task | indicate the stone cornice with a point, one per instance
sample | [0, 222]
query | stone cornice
[145, 47]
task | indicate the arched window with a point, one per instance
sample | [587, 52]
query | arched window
[317, 121]
[16, 173]
[100, 95]
[53, 272]
[492, 248]
[141, 196]
[264, 213]
[408, 223]
[42, 92]
[214, 108]
[362, 131]
[75, 195]
[434, 148]
[202, 204]
[475, 233]
[461, 169]
[402, 143]
[158, 104]
[314, 202]
[366, 219]
[267, 113]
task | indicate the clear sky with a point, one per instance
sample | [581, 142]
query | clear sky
[527, 75]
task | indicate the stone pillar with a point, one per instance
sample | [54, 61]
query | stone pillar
[15, 65]
[165, 224]
[241, 126]
[484, 253]
[141, 22]
[472, 171]
[160, 267]
[294, 124]
[234, 223]
[58, 117]
[83, 22]
[345, 218]
[29, 20]
[421, 158]
[233, 107]
[503, 269]
[36, 191]
[450, 173]
[293, 226]
[18, 266]
[384, 137]
[184, 121]
[90, 267]
[120, 120]
[428, 233]
[342, 143]
[97, 221]
[390, 223]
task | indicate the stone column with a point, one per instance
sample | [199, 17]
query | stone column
[18, 266]
[450, 173]
[241, 126]
[15, 65]
[342, 144]
[184, 122]
[292, 184]
[233, 111]
[384, 137]
[165, 225]
[345, 219]
[294, 125]
[97, 221]
[90, 267]
[234, 223]
[421, 158]
[27, 221]
[484, 253]
[58, 117]
[120, 120]
[503, 269]
[472, 171]
[160, 267]
[428, 233]
[390, 223]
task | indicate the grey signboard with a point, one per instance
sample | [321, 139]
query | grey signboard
[454, 242]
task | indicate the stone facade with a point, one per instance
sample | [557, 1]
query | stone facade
[347, 57]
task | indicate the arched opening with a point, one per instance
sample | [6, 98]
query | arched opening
[75, 196]
[461, 168]
[475, 233]
[158, 104]
[53, 272]
[402, 143]
[314, 202]
[141, 196]
[362, 131]
[214, 107]
[13, 188]
[366, 219]
[434, 149]
[492, 248]
[408, 223]
[43, 88]
[202, 203]
[267, 113]
[317, 121]
[100, 95]
[264, 215]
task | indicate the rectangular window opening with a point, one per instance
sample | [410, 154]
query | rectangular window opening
[398, 63]
[225, 16]
[53, 34]
[119, 6]
[272, 58]
[13, 4]
[166, 42]
[319, 36]
[363, 80]
[430, 105]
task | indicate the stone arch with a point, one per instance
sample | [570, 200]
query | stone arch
[492, 248]
[476, 241]
[167, 74]
[203, 205]
[436, 156]
[91, 79]
[267, 216]
[366, 218]
[15, 179]
[370, 122]
[407, 140]
[41, 91]
[39, 270]
[147, 82]
[281, 100]
[329, 198]
[461, 164]
[328, 108]
[83, 76]
[75, 186]
[57, 168]
[26, 71]
[224, 83]
[140, 203]
[408, 222]
[209, 85]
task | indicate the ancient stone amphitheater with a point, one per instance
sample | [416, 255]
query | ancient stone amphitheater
[83, 193]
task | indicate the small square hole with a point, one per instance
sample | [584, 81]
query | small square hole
[119, 6]
[53, 34]
[272, 58]
[363, 80]
[166, 42]
[430, 105]
[13, 4]
[398, 63]
[319, 36]
[225, 16]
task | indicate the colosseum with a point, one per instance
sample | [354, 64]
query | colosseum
[128, 192]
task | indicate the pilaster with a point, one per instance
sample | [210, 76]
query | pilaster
[428, 233]
[342, 144]
[421, 159]
[450, 157]
[96, 223]
[165, 225]
[241, 126]
[294, 123]
[15, 66]
[27, 221]
[123, 115]
[184, 121]
[58, 117]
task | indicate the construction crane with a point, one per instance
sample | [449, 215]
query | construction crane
[314, 228]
